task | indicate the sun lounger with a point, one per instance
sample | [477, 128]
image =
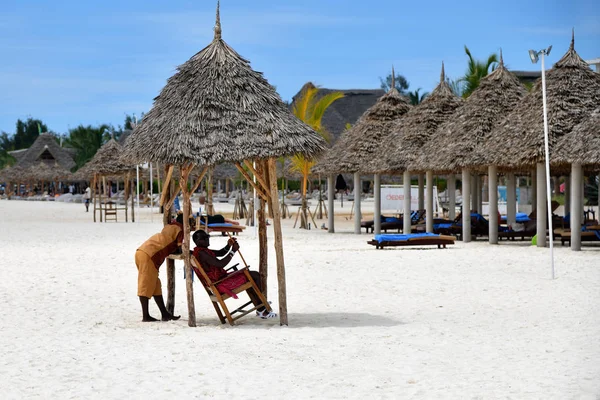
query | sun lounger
[414, 239]
[586, 235]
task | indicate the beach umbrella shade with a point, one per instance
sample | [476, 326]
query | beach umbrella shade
[216, 108]
[572, 93]
[415, 128]
[449, 149]
[581, 145]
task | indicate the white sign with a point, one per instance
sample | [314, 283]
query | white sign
[392, 198]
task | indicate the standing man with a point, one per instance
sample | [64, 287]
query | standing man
[148, 259]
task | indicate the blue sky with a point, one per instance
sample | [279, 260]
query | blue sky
[91, 62]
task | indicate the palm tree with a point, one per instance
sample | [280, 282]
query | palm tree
[86, 140]
[416, 98]
[310, 109]
[476, 70]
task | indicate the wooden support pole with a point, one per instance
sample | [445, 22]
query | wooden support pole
[249, 179]
[259, 178]
[267, 179]
[263, 267]
[185, 172]
[166, 186]
[283, 317]
[94, 194]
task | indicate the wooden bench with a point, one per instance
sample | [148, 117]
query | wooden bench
[565, 236]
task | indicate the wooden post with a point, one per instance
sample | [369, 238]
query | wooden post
[263, 269]
[94, 194]
[283, 317]
[210, 209]
[167, 192]
[185, 172]
[267, 180]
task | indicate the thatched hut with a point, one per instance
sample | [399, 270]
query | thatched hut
[581, 145]
[217, 109]
[451, 146]
[572, 93]
[46, 149]
[410, 134]
[107, 162]
[517, 143]
[356, 148]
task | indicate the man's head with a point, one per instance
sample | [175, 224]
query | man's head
[202, 199]
[201, 238]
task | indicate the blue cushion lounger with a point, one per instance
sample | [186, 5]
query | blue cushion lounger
[520, 218]
[413, 239]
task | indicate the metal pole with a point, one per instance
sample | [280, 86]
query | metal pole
[547, 153]
[151, 193]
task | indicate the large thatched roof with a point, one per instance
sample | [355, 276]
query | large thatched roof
[11, 174]
[572, 93]
[46, 149]
[581, 145]
[107, 161]
[412, 131]
[451, 146]
[357, 146]
[43, 171]
[216, 109]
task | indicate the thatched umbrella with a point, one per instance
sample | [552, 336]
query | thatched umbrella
[412, 131]
[497, 94]
[358, 146]
[580, 149]
[581, 145]
[108, 163]
[572, 92]
[403, 147]
[451, 146]
[217, 109]
[517, 143]
[45, 147]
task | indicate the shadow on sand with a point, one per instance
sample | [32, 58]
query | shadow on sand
[323, 320]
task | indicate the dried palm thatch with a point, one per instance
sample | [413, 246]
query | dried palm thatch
[46, 149]
[572, 92]
[357, 146]
[412, 131]
[581, 145]
[11, 174]
[43, 171]
[451, 146]
[216, 109]
[108, 161]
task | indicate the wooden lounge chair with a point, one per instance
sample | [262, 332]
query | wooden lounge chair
[415, 239]
[586, 236]
[218, 299]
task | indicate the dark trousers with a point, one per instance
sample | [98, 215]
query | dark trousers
[251, 293]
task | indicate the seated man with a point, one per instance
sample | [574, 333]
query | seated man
[212, 219]
[214, 268]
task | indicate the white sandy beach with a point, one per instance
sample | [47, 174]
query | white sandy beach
[471, 322]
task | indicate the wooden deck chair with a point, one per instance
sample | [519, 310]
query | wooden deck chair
[218, 299]
[110, 211]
